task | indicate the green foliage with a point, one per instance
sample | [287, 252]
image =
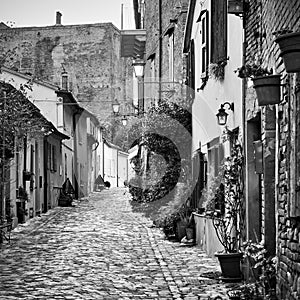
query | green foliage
[252, 70]
[178, 209]
[228, 185]
[263, 269]
[18, 117]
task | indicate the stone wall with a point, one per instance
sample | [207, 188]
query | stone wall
[89, 53]
[263, 19]
[173, 13]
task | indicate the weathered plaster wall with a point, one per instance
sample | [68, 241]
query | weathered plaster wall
[89, 53]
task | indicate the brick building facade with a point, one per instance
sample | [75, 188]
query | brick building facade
[88, 54]
[272, 194]
[165, 66]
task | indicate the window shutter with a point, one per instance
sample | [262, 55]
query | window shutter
[54, 158]
[218, 30]
[204, 19]
[49, 157]
[295, 201]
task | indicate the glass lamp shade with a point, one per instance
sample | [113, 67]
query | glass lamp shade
[116, 107]
[222, 116]
[124, 121]
[138, 65]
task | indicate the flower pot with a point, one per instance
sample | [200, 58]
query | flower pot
[189, 233]
[230, 264]
[289, 45]
[180, 230]
[267, 89]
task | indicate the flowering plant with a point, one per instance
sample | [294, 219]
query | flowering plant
[252, 70]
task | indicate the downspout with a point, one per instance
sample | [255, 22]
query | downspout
[160, 48]
[117, 168]
[45, 208]
[244, 84]
[24, 160]
[103, 159]
[75, 157]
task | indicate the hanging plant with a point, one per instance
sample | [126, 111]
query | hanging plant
[217, 70]
[252, 70]
[266, 84]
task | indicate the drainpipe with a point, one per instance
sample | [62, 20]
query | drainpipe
[117, 168]
[45, 208]
[160, 48]
[75, 157]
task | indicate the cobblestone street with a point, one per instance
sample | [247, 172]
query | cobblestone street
[100, 249]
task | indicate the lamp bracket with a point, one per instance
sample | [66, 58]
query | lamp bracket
[231, 105]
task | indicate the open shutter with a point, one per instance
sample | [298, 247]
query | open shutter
[295, 199]
[218, 30]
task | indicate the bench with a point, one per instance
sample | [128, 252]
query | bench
[5, 230]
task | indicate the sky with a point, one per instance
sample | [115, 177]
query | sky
[24, 13]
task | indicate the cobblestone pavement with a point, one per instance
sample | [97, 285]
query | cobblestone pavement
[100, 249]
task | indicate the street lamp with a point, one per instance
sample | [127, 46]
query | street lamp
[124, 120]
[138, 67]
[116, 107]
[222, 114]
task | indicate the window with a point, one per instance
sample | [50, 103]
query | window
[171, 57]
[52, 162]
[218, 30]
[203, 18]
[215, 158]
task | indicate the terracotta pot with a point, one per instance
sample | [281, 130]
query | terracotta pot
[267, 89]
[289, 45]
[189, 233]
[230, 264]
[180, 230]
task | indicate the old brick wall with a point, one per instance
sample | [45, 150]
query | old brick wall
[264, 18]
[89, 53]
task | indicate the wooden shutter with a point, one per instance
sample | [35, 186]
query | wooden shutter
[218, 30]
[54, 159]
[204, 43]
[295, 199]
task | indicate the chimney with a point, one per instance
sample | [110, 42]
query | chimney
[58, 18]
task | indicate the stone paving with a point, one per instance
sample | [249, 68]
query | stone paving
[100, 249]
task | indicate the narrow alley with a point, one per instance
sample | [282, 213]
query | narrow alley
[100, 249]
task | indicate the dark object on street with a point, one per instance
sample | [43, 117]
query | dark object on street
[68, 187]
[67, 194]
[99, 183]
[107, 184]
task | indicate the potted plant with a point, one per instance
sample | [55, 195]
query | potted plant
[175, 218]
[289, 45]
[263, 267]
[225, 210]
[185, 225]
[266, 84]
[217, 70]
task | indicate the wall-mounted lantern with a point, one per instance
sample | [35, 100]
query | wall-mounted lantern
[222, 114]
[116, 107]
[124, 120]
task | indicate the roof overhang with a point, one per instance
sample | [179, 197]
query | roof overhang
[133, 42]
